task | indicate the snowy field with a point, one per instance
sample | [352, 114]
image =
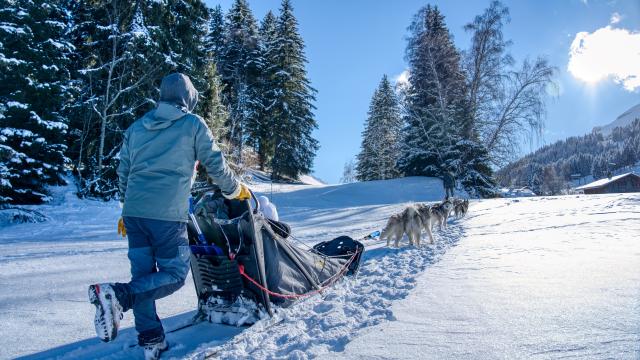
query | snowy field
[539, 278]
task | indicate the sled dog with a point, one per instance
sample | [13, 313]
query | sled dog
[442, 212]
[393, 230]
[460, 207]
[427, 218]
[412, 224]
[408, 221]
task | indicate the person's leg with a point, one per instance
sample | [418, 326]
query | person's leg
[143, 264]
[449, 192]
[170, 251]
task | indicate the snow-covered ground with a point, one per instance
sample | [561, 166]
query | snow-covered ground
[518, 278]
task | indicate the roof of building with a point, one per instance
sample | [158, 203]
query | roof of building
[603, 182]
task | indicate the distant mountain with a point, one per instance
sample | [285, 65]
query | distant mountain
[607, 149]
[625, 119]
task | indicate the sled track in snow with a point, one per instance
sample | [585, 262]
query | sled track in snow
[326, 323]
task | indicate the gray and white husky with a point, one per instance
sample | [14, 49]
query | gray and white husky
[442, 211]
[408, 221]
[460, 207]
[428, 219]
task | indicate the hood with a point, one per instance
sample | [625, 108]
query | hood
[177, 89]
[178, 97]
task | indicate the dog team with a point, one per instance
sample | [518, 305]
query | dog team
[417, 217]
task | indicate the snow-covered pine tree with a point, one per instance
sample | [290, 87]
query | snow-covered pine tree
[381, 137]
[436, 135]
[213, 111]
[184, 28]
[435, 83]
[239, 66]
[214, 40]
[295, 146]
[259, 129]
[34, 88]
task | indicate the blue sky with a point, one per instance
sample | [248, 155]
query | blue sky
[351, 44]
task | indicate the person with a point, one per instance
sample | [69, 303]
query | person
[157, 160]
[449, 182]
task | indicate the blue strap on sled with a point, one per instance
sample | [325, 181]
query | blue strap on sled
[202, 248]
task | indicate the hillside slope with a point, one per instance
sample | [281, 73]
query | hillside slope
[550, 168]
[625, 119]
[516, 278]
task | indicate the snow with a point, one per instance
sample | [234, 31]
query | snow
[542, 277]
[12, 29]
[533, 278]
[16, 104]
[311, 180]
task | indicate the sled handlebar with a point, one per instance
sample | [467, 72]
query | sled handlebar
[255, 199]
[204, 189]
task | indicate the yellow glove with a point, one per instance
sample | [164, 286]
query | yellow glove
[244, 194]
[121, 229]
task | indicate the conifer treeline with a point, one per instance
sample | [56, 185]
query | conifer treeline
[74, 74]
[462, 111]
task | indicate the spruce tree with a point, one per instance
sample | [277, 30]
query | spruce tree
[437, 136]
[239, 66]
[259, 129]
[34, 88]
[295, 146]
[214, 40]
[381, 138]
[213, 111]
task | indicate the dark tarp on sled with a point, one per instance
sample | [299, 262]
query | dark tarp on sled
[282, 270]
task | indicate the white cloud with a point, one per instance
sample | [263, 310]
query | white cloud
[615, 18]
[606, 53]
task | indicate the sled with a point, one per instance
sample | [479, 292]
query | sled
[244, 264]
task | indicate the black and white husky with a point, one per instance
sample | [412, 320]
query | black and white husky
[408, 221]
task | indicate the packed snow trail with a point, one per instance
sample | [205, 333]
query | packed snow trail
[326, 323]
[534, 278]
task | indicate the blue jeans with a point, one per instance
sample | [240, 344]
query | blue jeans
[159, 255]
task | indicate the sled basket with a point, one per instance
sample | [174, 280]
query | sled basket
[257, 262]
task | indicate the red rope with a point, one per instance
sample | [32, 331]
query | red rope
[328, 282]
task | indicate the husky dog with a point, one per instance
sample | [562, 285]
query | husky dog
[412, 224]
[442, 211]
[427, 218]
[460, 207]
[408, 221]
[393, 230]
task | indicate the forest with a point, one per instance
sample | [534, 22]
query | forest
[75, 74]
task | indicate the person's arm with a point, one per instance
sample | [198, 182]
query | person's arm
[123, 167]
[210, 156]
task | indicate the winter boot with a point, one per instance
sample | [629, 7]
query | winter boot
[153, 351]
[108, 311]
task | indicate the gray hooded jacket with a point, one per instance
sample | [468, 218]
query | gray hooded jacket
[159, 152]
